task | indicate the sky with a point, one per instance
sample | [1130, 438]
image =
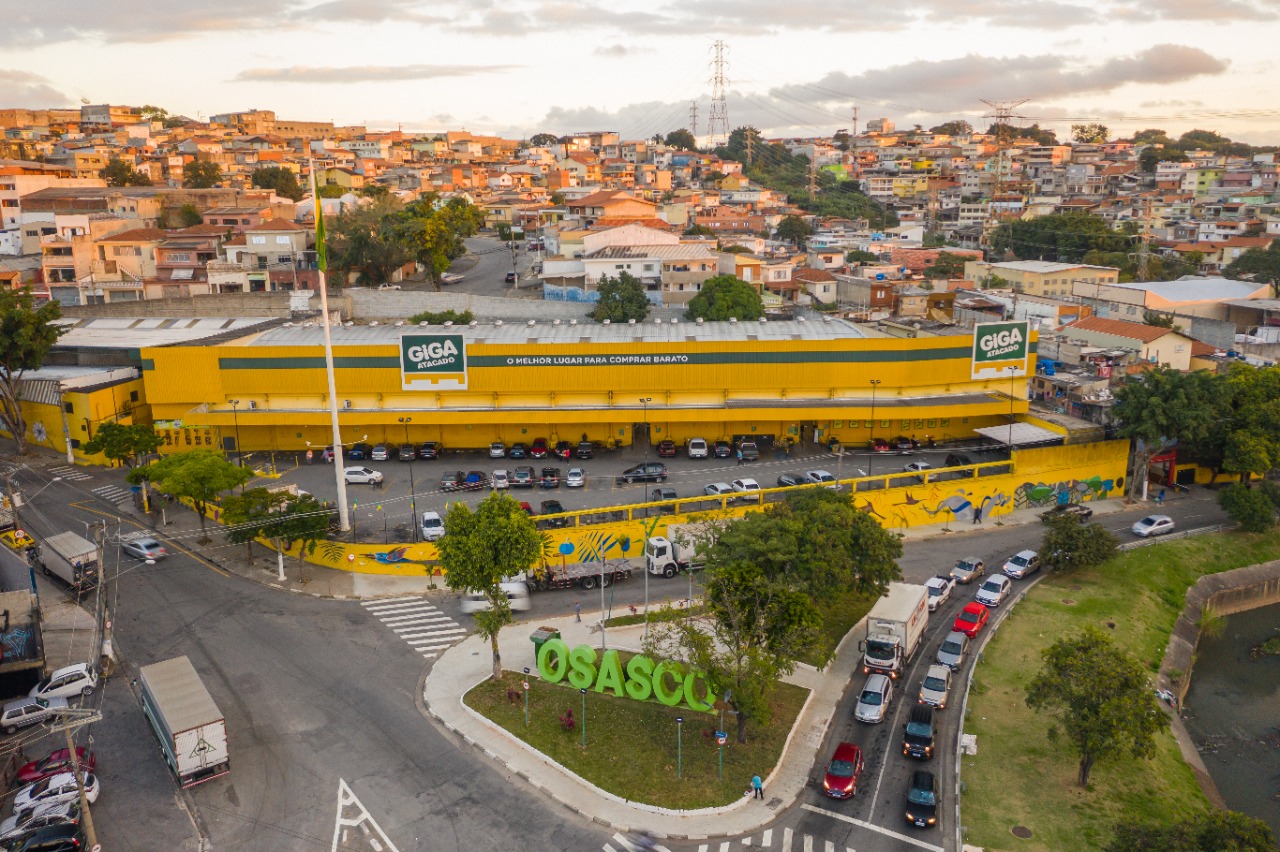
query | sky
[792, 67]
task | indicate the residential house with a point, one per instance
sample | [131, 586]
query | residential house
[1153, 344]
[275, 255]
[1042, 277]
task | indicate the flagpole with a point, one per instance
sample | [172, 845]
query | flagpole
[344, 516]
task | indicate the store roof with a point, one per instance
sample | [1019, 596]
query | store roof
[1021, 435]
[135, 332]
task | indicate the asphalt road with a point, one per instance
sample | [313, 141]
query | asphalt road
[485, 266]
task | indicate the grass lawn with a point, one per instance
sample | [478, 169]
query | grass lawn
[631, 745]
[1018, 777]
[839, 614]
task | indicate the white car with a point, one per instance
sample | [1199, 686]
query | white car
[940, 588]
[718, 489]
[1152, 525]
[575, 478]
[501, 480]
[79, 679]
[432, 526]
[745, 486]
[917, 467]
[873, 702]
[1024, 563]
[697, 448]
[362, 475]
[497, 450]
[937, 682]
[56, 788]
[821, 477]
[994, 590]
[23, 823]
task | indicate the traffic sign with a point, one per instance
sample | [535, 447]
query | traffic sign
[19, 534]
[526, 684]
[721, 737]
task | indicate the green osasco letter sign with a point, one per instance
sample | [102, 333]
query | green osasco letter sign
[666, 680]
[998, 346]
[433, 362]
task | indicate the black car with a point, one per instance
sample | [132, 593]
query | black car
[786, 480]
[552, 507]
[509, 278]
[563, 450]
[430, 450]
[586, 450]
[550, 477]
[67, 837]
[518, 451]
[903, 444]
[1068, 510]
[957, 460]
[917, 737]
[646, 472]
[408, 452]
[922, 800]
[452, 480]
[359, 452]
[722, 449]
[522, 477]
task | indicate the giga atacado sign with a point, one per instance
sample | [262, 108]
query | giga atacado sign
[997, 346]
[666, 680]
[433, 362]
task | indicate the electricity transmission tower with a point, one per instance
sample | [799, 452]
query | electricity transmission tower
[1002, 112]
[718, 123]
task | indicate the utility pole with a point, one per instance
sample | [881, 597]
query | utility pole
[751, 147]
[693, 119]
[1143, 255]
[718, 123]
[855, 120]
[813, 175]
[82, 716]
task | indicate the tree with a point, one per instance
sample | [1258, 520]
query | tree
[198, 475]
[284, 518]
[1255, 264]
[119, 173]
[1070, 544]
[1089, 133]
[278, 179]
[794, 230]
[188, 215]
[1059, 236]
[361, 239]
[434, 232]
[1157, 320]
[698, 231]
[621, 299]
[1151, 136]
[27, 333]
[724, 296]
[953, 128]
[1101, 698]
[682, 140]
[482, 548]
[1035, 133]
[557, 198]
[1152, 156]
[123, 444]
[1205, 831]
[1251, 508]
[860, 256]
[201, 174]
[542, 140]
[946, 265]
[1164, 405]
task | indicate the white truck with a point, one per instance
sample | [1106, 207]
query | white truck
[895, 627]
[191, 729]
[678, 550]
[72, 558]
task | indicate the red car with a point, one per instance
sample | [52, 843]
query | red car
[538, 449]
[528, 510]
[843, 772]
[666, 449]
[971, 619]
[880, 445]
[54, 763]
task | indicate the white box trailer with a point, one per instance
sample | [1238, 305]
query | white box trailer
[190, 727]
[72, 558]
[895, 626]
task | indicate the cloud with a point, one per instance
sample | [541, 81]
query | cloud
[1216, 11]
[26, 90]
[145, 21]
[620, 51]
[364, 73]
[370, 12]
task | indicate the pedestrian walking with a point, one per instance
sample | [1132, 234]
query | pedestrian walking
[977, 515]
[577, 610]
[1160, 498]
[739, 457]
[757, 787]
[310, 456]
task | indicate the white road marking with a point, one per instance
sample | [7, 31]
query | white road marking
[830, 847]
[426, 622]
[767, 838]
[786, 840]
[808, 843]
[876, 828]
[402, 608]
[384, 601]
[401, 619]
[347, 801]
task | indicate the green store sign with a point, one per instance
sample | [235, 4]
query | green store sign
[642, 679]
[998, 346]
[433, 362]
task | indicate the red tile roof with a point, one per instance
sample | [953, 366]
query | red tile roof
[275, 225]
[1120, 328]
[136, 235]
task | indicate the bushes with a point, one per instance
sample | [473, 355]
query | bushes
[442, 317]
[1254, 509]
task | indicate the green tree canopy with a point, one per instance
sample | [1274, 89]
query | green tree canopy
[278, 179]
[434, 231]
[946, 265]
[286, 519]
[123, 444]
[681, 139]
[202, 174]
[860, 256]
[794, 230]
[119, 173]
[1070, 545]
[953, 128]
[1064, 237]
[198, 475]
[1255, 264]
[1252, 508]
[1204, 831]
[482, 548]
[1100, 697]
[698, 231]
[541, 140]
[1089, 133]
[1164, 405]
[188, 215]
[621, 299]
[724, 296]
[1150, 136]
[1151, 157]
[27, 333]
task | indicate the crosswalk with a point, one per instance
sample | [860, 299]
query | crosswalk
[424, 628]
[789, 841]
[112, 493]
[633, 844]
[71, 473]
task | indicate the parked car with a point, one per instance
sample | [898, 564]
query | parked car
[722, 449]
[822, 477]
[940, 589]
[24, 825]
[552, 507]
[362, 475]
[922, 800]
[408, 452]
[843, 772]
[697, 448]
[874, 700]
[667, 449]
[518, 450]
[526, 508]
[430, 450]
[786, 480]
[451, 480]
[750, 452]
[497, 450]
[575, 478]
[935, 686]
[1152, 525]
[903, 444]
[1078, 511]
[1024, 563]
[550, 477]
[432, 526]
[968, 569]
[501, 481]
[586, 450]
[917, 736]
[957, 460]
[56, 788]
[538, 449]
[879, 445]
[747, 489]
[359, 452]
[144, 547]
[972, 618]
[77, 679]
[663, 494]
[718, 489]
[993, 592]
[563, 450]
[645, 472]
[475, 481]
[58, 760]
[381, 452]
[522, 477]
[953, 649]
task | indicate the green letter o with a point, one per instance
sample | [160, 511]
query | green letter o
[561, 651]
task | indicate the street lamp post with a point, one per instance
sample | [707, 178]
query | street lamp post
[235, 417]
[413, 496]
[584, 716]
[871, 460]
[648, 439]
[679, 745]
[526, 696]
[1013, 376]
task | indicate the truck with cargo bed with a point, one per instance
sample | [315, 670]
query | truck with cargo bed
[71, 558]
[586, 575]
[895, 627]
[191, 729]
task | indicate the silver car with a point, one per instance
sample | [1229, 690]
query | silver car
[144, 547]
[994, 590]
[30, 711]
[1152, 525]
[575, 478]
[1024, 563]
[953, 650]
[874, 701]
[936, 685]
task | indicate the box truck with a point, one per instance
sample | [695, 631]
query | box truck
[72, 558]
[191, 730]
[895, 627]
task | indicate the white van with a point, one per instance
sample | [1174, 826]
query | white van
[517, 599]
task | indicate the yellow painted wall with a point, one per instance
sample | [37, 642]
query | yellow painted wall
[88, 410]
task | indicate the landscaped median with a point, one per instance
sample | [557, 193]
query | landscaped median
[1019, 778]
